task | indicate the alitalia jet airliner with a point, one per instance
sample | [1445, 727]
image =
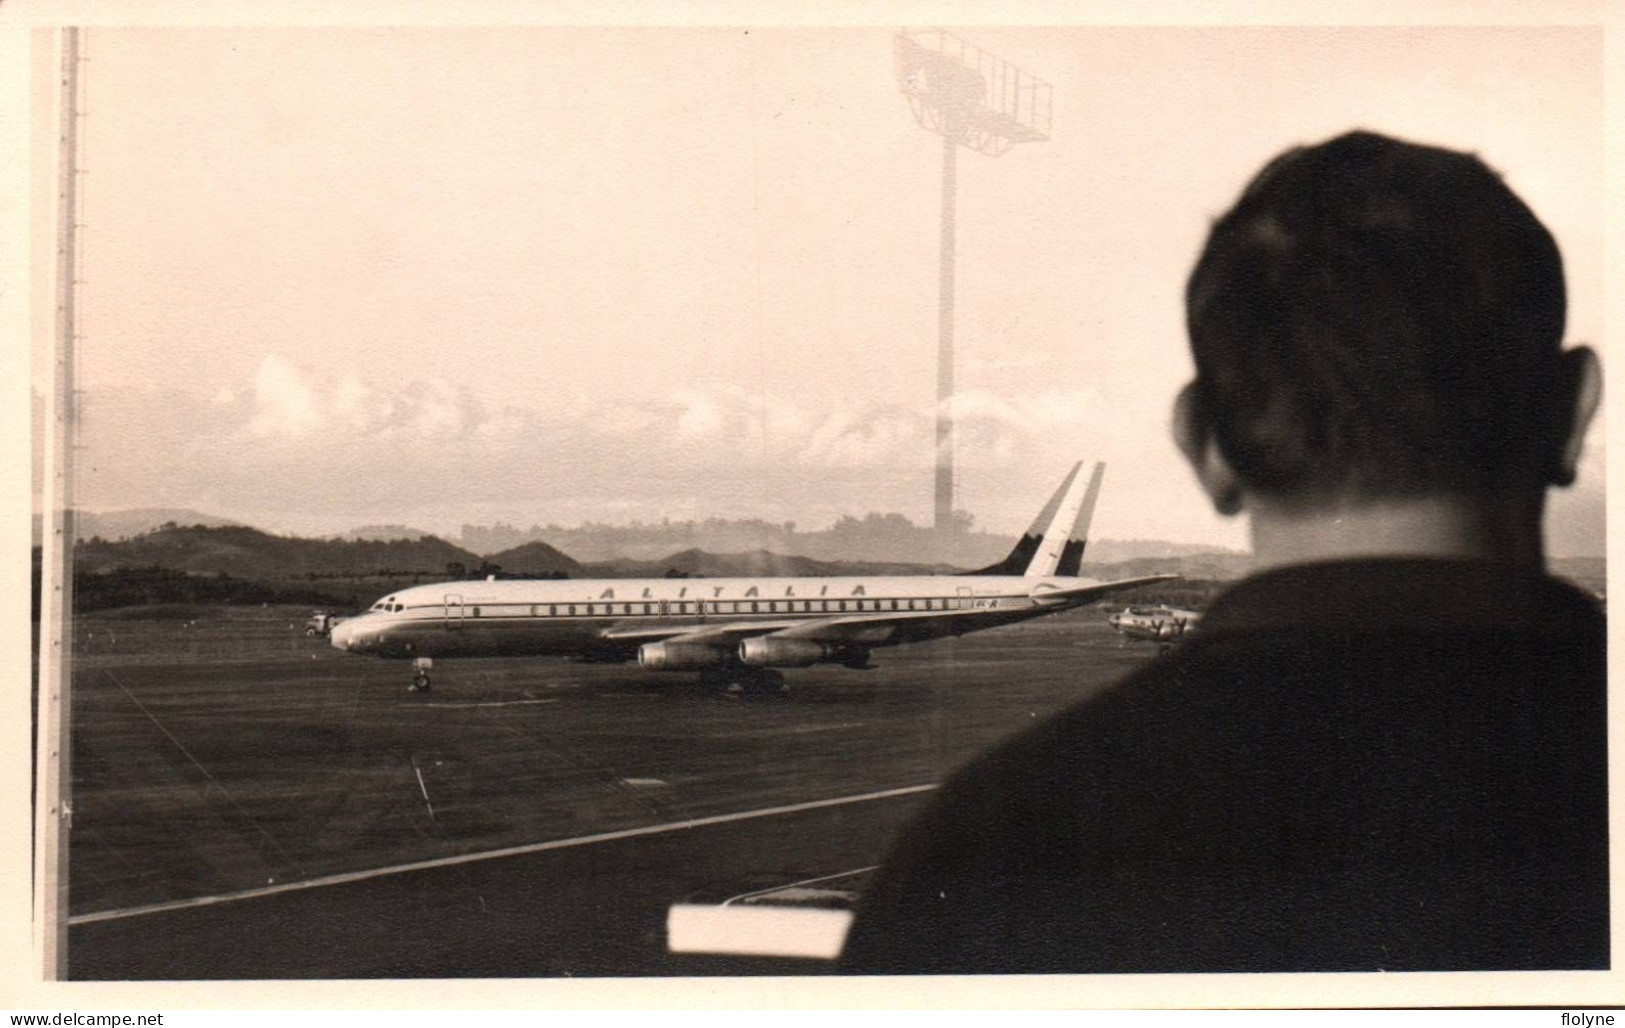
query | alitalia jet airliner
[739, 631]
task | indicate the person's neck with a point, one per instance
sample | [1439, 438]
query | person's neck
[1502, 529]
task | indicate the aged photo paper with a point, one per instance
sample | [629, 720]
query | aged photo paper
[368, 298]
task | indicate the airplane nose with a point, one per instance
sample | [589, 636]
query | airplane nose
[341, 635]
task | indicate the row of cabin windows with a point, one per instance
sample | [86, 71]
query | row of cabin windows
[675, 608]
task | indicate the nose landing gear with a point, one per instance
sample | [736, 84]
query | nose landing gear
[420, 674]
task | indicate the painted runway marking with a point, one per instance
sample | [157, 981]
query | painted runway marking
[212, 780]
[510, 851]
[423, 788]
[796, 885]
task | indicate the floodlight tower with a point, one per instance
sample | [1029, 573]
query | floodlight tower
[973, 99]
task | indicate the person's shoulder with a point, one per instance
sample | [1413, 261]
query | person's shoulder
[1429, 594]
[980, 852]
[1574, 604]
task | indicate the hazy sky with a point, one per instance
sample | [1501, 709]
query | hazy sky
[433, 275]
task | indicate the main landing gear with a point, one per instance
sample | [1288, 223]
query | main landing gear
[420, 674]
[741, 680]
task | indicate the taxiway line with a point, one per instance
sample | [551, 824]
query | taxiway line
[423, 788]
[497, 854]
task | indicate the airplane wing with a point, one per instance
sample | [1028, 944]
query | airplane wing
[875, 628]
[1047, 594]
[712, 634]
[878, 628]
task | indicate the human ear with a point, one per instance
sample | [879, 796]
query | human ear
[1582, 379]
[1194, 437]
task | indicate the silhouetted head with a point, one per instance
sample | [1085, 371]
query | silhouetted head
[1376, 320]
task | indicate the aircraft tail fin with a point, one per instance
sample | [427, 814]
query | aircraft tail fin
[1020, 559]
[1071, 561]
[1061, 551]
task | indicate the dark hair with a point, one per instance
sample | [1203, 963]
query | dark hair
[1376, 318]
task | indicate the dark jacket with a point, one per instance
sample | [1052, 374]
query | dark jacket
[1376, 765]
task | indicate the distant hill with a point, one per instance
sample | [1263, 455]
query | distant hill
[248, 553]
[873, 537]
[754, 563]
[1115, 551]
[157, 591]
[535, 559]
[382, 533]
[1221, 566]
[163, 565]
[127, 524]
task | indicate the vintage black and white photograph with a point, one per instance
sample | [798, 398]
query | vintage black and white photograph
[735, 497]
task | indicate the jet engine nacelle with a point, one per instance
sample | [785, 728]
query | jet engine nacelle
[674, 656]
[766, 651]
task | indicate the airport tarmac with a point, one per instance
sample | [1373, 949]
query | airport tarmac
[249, 803]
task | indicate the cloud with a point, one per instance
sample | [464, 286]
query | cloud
[299, 441]
[989, 430]
[700, 417]
[284, 402]
[285, 407]
[869, 438]
[300, 448]
[358, 409]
